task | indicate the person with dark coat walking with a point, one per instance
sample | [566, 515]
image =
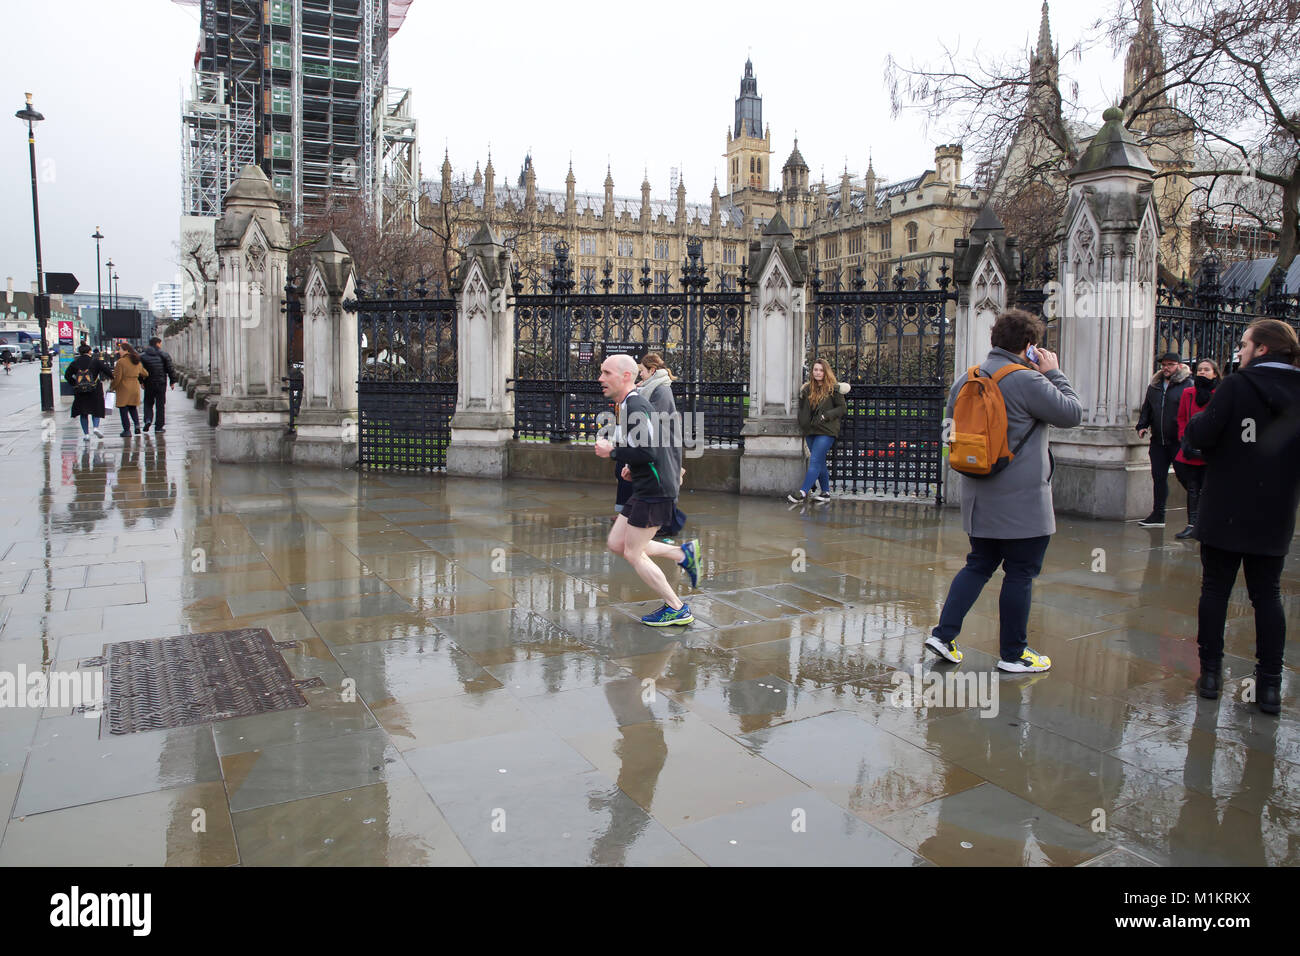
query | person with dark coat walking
[1250, 436]
[161, 375]
[85, 375]
[1158, 421]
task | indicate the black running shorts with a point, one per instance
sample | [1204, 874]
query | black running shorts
[648, 512]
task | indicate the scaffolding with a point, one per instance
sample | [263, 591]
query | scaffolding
[207, 146]
[400, 166]
[297, 87]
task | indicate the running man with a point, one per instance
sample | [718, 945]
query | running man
[642, 448]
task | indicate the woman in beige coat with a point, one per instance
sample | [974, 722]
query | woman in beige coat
[127, 376]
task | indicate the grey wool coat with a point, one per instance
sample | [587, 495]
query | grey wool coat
[1017, 502]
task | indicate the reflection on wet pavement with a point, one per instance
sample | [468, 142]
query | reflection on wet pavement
[486, 694]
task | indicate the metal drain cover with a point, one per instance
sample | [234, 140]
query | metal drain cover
[196, 679]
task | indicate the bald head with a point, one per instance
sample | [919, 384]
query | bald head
[618, 376]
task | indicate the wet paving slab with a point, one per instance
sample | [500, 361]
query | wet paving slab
[481, 692]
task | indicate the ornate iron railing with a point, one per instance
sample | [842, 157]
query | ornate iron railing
[1207, 321]
[561, 338]
[406, 376]
[892, 343]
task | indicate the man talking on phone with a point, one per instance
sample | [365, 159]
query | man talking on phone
[1008, 514]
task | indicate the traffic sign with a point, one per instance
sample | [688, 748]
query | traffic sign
[61, 283]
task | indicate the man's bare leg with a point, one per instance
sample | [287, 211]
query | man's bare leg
[657, 549]
[634, 541]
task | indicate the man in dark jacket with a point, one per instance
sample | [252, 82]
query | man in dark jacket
[1250, 435]
[643, 444]
[161, 374]
[1159, 421]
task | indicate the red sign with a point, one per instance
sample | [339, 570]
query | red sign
[65, 332]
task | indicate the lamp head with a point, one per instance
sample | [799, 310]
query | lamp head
[96, 236]
[29, 114]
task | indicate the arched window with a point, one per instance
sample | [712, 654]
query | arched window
[760, 167]
[751, 164]
[911, 236]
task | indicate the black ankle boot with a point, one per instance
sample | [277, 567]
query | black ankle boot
[1268, 692]
[1210, 684]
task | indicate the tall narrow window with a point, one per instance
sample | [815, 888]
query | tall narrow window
[911, 236]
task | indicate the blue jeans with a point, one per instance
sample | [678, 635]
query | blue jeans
[818, 448]
[85, 428]
[1021, 560]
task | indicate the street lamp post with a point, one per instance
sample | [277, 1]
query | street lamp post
[99, 291]
[108, 266]
[42, 303]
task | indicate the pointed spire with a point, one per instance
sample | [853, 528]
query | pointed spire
[1044, 34]
[609, 178]
[569, 179]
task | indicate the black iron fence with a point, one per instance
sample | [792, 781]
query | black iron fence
[561, 338]
[291, 306]
[1206, 321]
[892, 342]
[406, 377]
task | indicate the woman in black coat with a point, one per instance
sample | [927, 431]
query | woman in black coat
[84, 375]
[1250, 436]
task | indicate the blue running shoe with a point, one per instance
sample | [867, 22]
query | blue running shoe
[691, 561]
[666, 616]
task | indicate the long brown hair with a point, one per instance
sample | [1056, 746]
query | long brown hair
[819, 393]
[131, 353]
[653, 362]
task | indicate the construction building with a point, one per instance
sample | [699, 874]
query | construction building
[300, 88]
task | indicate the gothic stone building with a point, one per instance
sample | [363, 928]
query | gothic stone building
[864, 223]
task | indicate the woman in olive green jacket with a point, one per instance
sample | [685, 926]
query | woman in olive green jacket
[821, 410]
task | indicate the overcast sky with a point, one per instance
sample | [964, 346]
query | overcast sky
[643, 88]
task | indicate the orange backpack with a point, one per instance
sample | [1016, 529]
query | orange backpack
[978, 447]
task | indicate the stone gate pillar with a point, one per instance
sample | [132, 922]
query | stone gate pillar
[1108, 240]
[252, 243]
[326, 426]
[773, 459]
[484, 422]
[987, 273]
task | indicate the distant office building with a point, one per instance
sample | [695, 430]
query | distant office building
[166, 298]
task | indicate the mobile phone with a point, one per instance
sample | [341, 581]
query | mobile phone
[1031, 353]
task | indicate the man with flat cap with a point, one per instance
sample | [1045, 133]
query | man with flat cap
[1159, 422]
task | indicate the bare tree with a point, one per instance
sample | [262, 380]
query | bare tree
[456, 213]
[1231, 80]
[197, 257]
[1221, 84]
[394, 250]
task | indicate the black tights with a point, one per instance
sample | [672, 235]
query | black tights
[123, 410]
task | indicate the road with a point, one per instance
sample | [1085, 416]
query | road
[20, 391]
